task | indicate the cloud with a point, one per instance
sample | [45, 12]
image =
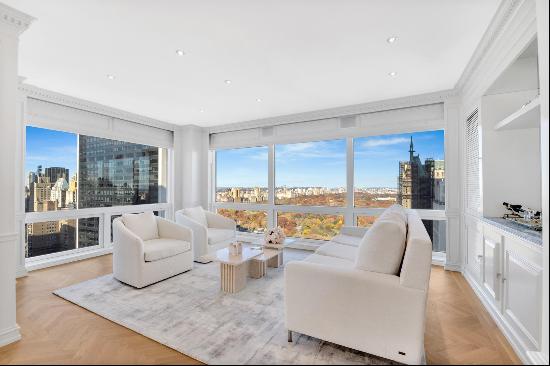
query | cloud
[376, 142]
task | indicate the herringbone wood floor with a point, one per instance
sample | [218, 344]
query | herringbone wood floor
[458, 331]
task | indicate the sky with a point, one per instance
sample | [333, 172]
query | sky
[50, 148]
[323, 163]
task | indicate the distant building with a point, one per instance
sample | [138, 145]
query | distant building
[55, 172]
[422, 186]
[115, 173]
[59, 192]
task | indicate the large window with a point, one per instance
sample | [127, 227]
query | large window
[241, 175]
[408, 169]
[311, 173]
[310, 192]
[68, 172]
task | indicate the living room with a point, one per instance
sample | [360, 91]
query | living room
[267, 182]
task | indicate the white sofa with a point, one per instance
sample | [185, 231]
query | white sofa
[211, 231]
[328, 297]
[148, 249]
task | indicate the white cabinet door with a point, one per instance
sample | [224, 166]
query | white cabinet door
[474, 237]
[522, 297]
[492, 275]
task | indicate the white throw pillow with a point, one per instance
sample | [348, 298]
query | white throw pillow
[144, 225]
[197, 214]
[382, 247]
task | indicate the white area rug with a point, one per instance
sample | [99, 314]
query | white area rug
[189, 314]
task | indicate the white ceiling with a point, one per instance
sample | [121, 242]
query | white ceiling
[296, 55]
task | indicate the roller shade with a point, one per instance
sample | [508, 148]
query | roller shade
[420, 118]
[58, 117]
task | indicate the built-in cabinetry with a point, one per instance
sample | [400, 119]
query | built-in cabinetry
[505, 270]
[503, 260]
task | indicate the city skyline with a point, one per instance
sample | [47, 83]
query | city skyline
[323, 163]
[50, 148]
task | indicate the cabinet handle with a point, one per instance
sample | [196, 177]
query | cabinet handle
[499, 274]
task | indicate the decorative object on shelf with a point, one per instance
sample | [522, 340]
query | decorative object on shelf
[236, 248]
[523, 216]
[274, 238]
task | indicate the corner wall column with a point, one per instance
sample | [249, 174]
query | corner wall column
[12, 24]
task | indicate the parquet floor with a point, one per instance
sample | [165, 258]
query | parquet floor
[459, 330]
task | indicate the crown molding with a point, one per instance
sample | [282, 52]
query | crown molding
[14, 21]
[350, 110]
[34, 92]
[501, 18]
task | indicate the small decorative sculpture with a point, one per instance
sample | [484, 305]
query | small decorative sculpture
[523, 216]
[274, 238]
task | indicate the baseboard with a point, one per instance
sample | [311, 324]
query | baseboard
[519, 348]
[453, 267]
[9, 335]
[537, 358]
[21, 272]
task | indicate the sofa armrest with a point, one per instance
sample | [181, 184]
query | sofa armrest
[126, 242]
[362, 310]
[171, 230]
[353, 231]
[218, 221]
[199, 237]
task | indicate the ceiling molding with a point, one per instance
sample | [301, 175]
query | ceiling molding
[32, 91]
[505, 11]
[350, 110]
[14, 21]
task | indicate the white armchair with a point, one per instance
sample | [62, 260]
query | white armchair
[148, 249]
[211, 231]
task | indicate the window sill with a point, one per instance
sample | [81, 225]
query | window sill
[73, 257]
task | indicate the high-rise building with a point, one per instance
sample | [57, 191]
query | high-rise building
[422, 186]
[56, 172]
[115, 173]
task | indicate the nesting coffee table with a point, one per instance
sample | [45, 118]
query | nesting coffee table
[252, 262]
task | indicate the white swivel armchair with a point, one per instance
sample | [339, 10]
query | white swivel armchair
[148, 249]
[211, 231]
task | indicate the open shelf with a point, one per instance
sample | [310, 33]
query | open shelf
[528, 116]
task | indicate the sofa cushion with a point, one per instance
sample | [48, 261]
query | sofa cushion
[218, 235]
[157, 249]
[144, 225]
[354, 241]
[336, 250]
[197, 214]
[395, 212]
[382, 247]
[329, 261]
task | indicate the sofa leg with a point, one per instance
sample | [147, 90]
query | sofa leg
[289, 336]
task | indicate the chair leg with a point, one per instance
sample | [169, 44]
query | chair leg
[290, 336]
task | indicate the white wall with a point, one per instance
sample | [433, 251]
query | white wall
[190, 167]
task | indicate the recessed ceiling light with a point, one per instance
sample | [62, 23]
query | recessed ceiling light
[110, 77]
[180, 52]
[227, 81]
[391, 39]
[202, 111]
[392, 74]
[258, 100]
